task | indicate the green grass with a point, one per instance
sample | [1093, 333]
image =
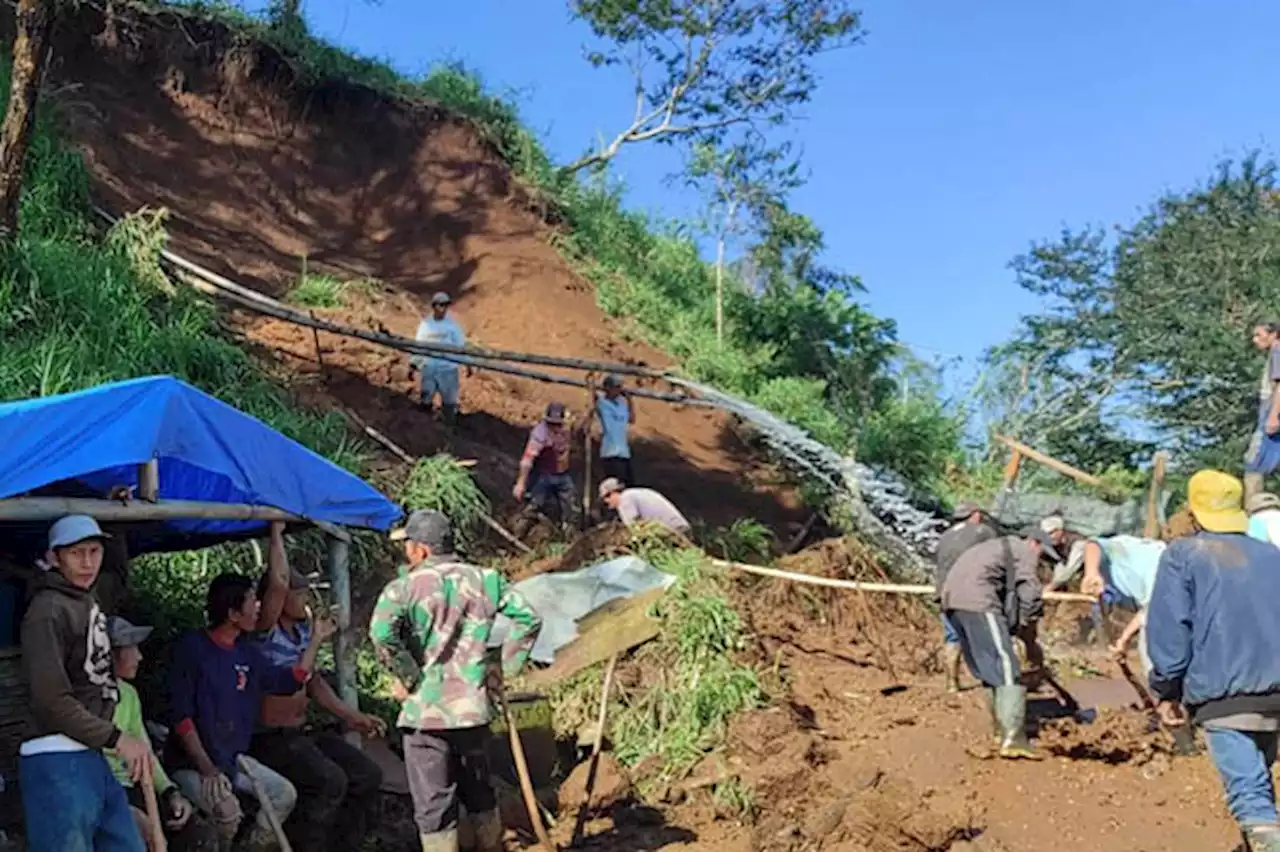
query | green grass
[701, 684]
[440, 483]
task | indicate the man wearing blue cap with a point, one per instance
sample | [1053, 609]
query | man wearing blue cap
[70, 797]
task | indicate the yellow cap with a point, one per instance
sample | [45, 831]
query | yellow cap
[1216, 501]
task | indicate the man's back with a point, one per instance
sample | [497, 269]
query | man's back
[448, 609]
[977, 582]
[1212, 619]
[645, 504]
[954, 542]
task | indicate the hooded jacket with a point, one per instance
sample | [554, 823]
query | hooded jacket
[66, 657]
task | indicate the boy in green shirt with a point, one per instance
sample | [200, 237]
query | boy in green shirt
[185, 830]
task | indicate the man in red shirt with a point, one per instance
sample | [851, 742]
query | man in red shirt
[546, 458]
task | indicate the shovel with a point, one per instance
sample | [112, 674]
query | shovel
[1184, 741]
[1082, 715]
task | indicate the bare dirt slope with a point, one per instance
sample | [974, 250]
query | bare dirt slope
[260, 172]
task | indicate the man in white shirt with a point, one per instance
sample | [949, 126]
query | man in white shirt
[642, 505]
[440, 376]
[616, 417]
[1264, 517]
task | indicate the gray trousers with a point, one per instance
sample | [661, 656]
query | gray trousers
[987, 646]
[445, 767]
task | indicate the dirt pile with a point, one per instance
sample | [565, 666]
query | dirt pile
[1114, 737]
[264, 173]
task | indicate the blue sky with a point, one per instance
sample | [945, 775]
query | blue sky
[939, 149]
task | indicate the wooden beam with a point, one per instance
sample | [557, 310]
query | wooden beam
[1152, 529]
[345, 642]
[52, 508]
[614, 628]
[1059, 467]
[149, 481]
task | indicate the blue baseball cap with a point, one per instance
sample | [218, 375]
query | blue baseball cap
[74, 529]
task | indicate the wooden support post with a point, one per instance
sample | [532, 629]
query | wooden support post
[1152, 529]
[1011, 471]
[1021, 449]
[149, 481]
[586, 443]
[344, 650]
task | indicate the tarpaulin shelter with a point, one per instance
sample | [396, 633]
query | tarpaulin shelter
[198, 472]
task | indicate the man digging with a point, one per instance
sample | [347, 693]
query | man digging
[971, 526]
[992, 594]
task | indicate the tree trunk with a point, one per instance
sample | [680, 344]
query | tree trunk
[720, 291]
[30, 55]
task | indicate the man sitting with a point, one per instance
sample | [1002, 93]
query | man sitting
[215, 691]
[642, 505]
[185, 830]
[337, 784]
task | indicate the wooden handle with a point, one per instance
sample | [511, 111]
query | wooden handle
[156, 841]
[265, 804]
[526, 783]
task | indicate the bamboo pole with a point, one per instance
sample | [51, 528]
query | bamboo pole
[149, 481]
[1060, 467]
[156, 841]
[886, 588]
[281, 311]
[344, 646]
[522, 771]
[586, 444]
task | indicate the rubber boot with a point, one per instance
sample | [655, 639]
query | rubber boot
[449, 414]
[488, 828]
[1253, 483]
[1011, 709]
[997, 730]
[1262, 838]
[440, 841]
[953, 657]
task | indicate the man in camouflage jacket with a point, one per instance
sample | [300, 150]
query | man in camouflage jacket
[431, 627]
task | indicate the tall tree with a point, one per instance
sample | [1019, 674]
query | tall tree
[1157, 315]
[740, 183]
[702, 67]
[34, 24]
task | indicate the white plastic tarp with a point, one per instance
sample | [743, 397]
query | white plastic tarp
[564, 599]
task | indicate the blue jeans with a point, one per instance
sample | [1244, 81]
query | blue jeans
[949, 633]
[72, 803]
[1244, 759]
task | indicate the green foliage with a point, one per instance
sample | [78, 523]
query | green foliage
[917, 438]
[734, 797]
[440, 483]
[1150, 323]
[317, 291]
[745, 540]
[706, 68]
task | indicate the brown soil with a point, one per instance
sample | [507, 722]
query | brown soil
[261, 173]
[861, 749]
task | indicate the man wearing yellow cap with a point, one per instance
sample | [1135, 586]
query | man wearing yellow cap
[1214, 642]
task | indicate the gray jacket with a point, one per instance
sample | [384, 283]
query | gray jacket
[996, 576]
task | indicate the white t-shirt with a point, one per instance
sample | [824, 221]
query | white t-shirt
[445, 332]
[645, 504]
[1265, 526]
[615, 421]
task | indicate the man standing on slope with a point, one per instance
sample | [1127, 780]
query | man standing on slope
[70, 798]
[440, 376]
[616, 415]
[1214, 642]
[430, 628]
[991, 594]
[642, 505]
[970, 526]
[1263, 454]
[546, 460]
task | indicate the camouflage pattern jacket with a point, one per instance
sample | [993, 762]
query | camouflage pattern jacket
[431, 627]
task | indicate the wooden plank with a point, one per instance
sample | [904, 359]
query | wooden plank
[1060, 467]
[614, 628]
[1152, 529]
[149, 481]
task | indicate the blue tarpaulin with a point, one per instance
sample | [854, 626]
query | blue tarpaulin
[82, 444]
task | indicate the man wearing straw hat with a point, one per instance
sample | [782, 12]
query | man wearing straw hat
[1214, 642]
